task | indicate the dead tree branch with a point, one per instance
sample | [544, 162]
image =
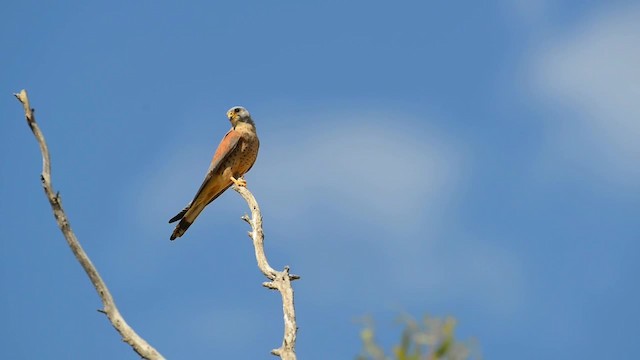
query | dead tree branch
[129, 336]
[279, 280]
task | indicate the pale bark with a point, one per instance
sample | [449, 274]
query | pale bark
[128, 335]
[279, 280]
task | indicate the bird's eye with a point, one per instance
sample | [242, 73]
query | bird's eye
[236, 110]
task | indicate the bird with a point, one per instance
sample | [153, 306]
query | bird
[233, 158]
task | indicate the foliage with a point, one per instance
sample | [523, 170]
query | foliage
[431, 339]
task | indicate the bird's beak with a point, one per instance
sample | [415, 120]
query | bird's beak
[230, 115]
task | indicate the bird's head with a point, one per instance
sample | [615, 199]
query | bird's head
[238, 115]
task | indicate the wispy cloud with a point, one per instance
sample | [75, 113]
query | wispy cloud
[373, 195]
[382, 169]
[590, 76]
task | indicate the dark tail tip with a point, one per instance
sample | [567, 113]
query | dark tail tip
[180, 229]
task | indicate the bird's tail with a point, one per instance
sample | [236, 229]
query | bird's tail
[183, 225]
[180, 229]
[187, 216]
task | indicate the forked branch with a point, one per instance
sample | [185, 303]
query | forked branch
[279, 280]
[128, 335]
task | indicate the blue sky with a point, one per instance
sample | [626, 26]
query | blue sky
[450, 158]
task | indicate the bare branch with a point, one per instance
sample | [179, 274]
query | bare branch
[279, 280]
[129, 336]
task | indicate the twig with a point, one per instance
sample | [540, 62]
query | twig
[129, 336]
[279, 280]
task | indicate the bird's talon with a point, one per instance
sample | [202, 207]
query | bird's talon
[239, 182]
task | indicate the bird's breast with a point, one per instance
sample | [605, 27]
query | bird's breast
[247, 154]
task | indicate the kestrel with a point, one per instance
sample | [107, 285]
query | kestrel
[234, 157]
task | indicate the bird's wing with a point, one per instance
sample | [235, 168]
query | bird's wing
[227, 146]
[180, 214]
